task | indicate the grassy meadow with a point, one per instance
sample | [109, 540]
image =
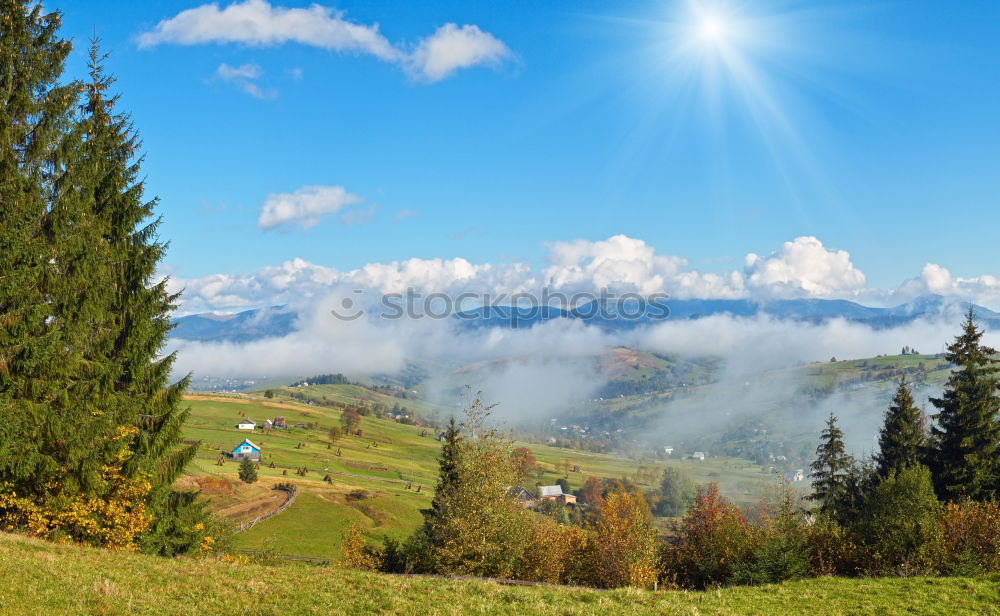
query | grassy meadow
[43, 578]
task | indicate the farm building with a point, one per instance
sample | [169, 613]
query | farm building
[698, 455]
[555, 493]
[246, 451]
[246, 424]
[522, 496]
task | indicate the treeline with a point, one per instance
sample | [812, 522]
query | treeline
[324, 379]
[89, 425]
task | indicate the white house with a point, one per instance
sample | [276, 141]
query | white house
[246, 451]
[798, 475]
[668, 450]
[246, 424]
[698, 455]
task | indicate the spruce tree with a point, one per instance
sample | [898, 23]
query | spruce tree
[902, 440]
[418, 548]
[36, 353]
[830, 469]
[966, 437]
[90, 431]
[129, 340]
[448, 468]
[248, 473]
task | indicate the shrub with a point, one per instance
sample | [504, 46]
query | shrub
[900, 523]
[970, 538]
[781, 551]
[713, 536]
[545, 552]
[625, 544]
[833, 550]
[357, 554]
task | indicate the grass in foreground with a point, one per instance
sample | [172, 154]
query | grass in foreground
[43, 578]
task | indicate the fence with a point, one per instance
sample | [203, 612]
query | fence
[312, 560]
[290, 489]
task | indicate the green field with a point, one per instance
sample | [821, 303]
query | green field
[374, 481]
[42, 578]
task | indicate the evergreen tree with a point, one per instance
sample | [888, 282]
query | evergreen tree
[966, 439]
[44, 453]
[419, 546]
[447, 472]
[830, 469]
[138, 316]
[902, 440]
[89, 442]
[248, 473]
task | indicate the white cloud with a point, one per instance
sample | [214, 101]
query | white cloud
[259, 24]
[624, 264]
[801, 268]
[983, 289]
[804, 268]
[292, 282]
[304, 207]
[244, 77]
[452, 48]
[247, 71]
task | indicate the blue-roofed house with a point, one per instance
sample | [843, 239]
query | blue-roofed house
[246, 451]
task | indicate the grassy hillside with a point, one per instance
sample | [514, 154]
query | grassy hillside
[42, 579]
[375, 479]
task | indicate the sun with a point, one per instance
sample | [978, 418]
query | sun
[712, 29]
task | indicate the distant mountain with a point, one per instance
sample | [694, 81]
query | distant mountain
[278, 321]
[237, 327]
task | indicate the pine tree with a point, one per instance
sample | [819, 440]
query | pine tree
[830, 469]
[248, 473]
[966, 439]
[902, 440]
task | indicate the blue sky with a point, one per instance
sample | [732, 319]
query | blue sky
[870, 126]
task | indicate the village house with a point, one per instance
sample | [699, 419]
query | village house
[795, 476]
[523, 497]
[246, 451]
[555, 493]
[246, 424]
[698, 455]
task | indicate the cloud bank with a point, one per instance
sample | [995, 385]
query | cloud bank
[801, 268]
[257, 23]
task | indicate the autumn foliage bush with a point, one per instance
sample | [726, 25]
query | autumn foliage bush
[970, 538]
[712, 538]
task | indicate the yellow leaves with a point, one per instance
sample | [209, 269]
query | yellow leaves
[355, 553]
[113, 518]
